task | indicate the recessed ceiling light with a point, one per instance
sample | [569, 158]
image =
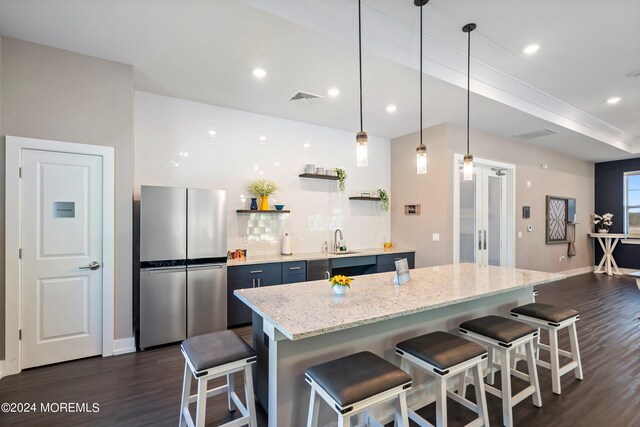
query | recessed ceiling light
[531, 49]
[259, 73]
[333, 92]
[391, 108]
[307, 145]
[613, 100]
[262, 138]
[183, 154]
[212, 132]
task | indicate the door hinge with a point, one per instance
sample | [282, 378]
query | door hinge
[20, 335]
[20, 253]
[20, 172]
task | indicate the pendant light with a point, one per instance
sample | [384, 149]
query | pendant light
[467, 166]
[361, 137]
[421, 149]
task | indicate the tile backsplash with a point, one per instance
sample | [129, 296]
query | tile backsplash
[185, 143]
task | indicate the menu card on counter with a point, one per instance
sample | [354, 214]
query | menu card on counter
[402, 272]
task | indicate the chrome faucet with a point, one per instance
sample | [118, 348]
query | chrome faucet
[336, 245]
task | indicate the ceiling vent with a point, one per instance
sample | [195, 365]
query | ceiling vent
[306, 98]
[536, 134]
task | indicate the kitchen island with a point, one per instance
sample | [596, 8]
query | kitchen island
[299, 325]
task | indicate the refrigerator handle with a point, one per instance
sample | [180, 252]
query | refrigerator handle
[158, 270]
[206, 267]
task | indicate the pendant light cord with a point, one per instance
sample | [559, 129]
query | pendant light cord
[468, 83]
[360, 56]
[421, 75]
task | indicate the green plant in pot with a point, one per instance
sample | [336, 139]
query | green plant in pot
[263, 188]
[384, 199]
[342, 177]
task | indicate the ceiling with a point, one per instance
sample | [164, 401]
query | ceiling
[205, 51]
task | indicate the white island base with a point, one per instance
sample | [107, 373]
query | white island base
[301, 325]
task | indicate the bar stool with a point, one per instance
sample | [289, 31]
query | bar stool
[212, 356]
[553, 319]
[505, 335]
[445, 356]
[353, 384]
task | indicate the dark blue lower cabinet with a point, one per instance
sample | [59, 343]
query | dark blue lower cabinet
[387, 262]
[294, 271]
[245, 277]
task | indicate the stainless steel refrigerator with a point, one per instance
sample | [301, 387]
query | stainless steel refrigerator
[183, 270]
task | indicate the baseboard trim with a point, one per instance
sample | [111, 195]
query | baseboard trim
[578, 271]
[124, 346]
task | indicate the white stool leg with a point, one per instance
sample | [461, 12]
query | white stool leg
[533, 374]
[344, 420]
[555, 360]
[314, 409]
[231, 387]
[201, 410]
[538, 344]
[505, 375]
[441, 402]
[403, 412]
[462, 383]
[490, 362]
[186, 392]
[481, 398]
[248, 395]
[575, 350]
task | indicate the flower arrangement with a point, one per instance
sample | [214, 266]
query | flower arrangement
[340, 280]
[384, 200]
[262, 187]
[342, 177]
[602, 223]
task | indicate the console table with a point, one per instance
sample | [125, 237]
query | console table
[608, 242]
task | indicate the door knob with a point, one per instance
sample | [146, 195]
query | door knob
[93, 266]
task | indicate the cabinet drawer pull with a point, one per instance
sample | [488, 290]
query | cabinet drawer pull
[295, 268]
[255, 271]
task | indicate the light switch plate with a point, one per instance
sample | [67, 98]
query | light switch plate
[519, 234]
[435, 237]
[528, 184]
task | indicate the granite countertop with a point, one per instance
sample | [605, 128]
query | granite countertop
[307, 309]
[308, 256]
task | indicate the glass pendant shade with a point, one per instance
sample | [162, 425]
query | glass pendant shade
[421, 159]
[361, 150]
[467, 168]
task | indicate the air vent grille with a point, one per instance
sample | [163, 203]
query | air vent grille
[306, 98]
[536, 134]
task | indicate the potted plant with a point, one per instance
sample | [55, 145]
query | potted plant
[263, 188]
[340, 283]
[342, 177]
[603, 223]
[384, 200]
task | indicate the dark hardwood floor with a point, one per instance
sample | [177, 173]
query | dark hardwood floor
[143, 389]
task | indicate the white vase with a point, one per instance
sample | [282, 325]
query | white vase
[603, 230]
[339, 289]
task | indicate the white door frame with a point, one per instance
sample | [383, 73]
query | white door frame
[511, 206]
[14, 147]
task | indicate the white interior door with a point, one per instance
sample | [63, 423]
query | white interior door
[61, 240]
[483, 216]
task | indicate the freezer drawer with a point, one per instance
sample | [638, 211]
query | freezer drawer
[163, 304]
[163, 223]
[207, 224]
[206, 299]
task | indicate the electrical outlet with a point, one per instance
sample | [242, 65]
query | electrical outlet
[529, 228]
[528, 184]
[435, 237]
[561, 258]
[519, 234]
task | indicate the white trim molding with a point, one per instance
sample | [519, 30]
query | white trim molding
[14, 147]
[124, 346]
[578, 271]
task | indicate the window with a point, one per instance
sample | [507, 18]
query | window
[632, 204]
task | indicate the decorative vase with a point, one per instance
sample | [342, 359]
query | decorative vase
[264, 204]
[339, 290]
[603, 230]
[254, 204]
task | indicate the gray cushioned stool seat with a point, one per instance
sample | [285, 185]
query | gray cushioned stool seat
[441, 349]
[547, 312]
[216, 349]
[356, 377]
[498, 328]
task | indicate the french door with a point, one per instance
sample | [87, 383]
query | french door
[484, 219]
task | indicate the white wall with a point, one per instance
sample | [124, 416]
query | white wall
[165, 127]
